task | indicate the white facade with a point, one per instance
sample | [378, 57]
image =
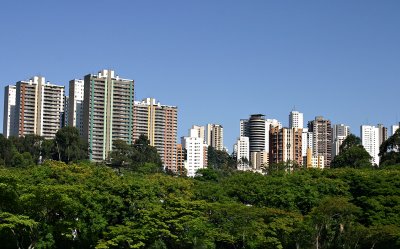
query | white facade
[201, 132]
[10, 114]
[75, 112]
[307, 142]
[339, 134]
[370, 141]
[296, 120]
[394, 128]
[195, 149]
[242, 147]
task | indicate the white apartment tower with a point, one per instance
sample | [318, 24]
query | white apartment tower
[10, 114]
[243, 153]
[394, 128]
[339, 134]
[107, 112]
[195, 151]
[75, 112]
[370, 141]
[159, 123]
[215, 136]
[296, 120]
[201, 130]
[39, 105]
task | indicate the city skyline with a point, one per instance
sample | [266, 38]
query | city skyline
[337, 60]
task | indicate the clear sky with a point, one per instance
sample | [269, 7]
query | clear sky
[219, 61]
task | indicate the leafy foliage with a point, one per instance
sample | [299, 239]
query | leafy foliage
[352, 154]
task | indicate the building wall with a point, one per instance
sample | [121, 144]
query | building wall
[159, 123]
[10, 114]
[383, 134]
[286, 145]
[108, 112]
[322, 138]
[75, 108]
[215, 136]
[296, 120]
[243, 153]
[195, 149]
[339, 134]
[370, 141]
[394, 128]
[39, 105]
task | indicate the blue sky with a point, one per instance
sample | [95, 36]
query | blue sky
[219, 61]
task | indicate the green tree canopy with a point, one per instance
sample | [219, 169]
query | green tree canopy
[352, 154]
[389, 151]
[69, 145]
[140, 156]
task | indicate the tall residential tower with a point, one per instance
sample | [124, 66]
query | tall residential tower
[107, 112]
[159, 123]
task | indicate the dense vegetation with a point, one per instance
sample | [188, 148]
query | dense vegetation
[86, 205]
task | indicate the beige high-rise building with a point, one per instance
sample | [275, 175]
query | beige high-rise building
[215, 136]
[39, 105]
[201, 131]
[322, 138]
[286, 145]
[107, 112]
[159, 123]
[180, 160]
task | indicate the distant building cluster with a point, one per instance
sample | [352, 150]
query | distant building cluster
[103, 109]
[101, 106]
[264, 141]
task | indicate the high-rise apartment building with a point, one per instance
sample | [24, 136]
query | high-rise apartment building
[10, 115]
[244, 128]
[201, 130]
[257, 129]
[286, 145]
[296, 120]
[307, 143]
[159, 123]
[316, 162]
[322, 138]
[180, 160]
[75, 107]
[64, 115]
[107, 112]
[270, 123]
[370, 141]
[39, 105]
[195, 152]
[215, 136]
[383, 134]
[242, 151]
[339, 134]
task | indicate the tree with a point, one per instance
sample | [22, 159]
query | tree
[69, 145]
[145, 153]
[350, 141]
[352, 154]
[218, 159]
[389, 151]
[332, 219]
[140, 156]
[22, 228]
